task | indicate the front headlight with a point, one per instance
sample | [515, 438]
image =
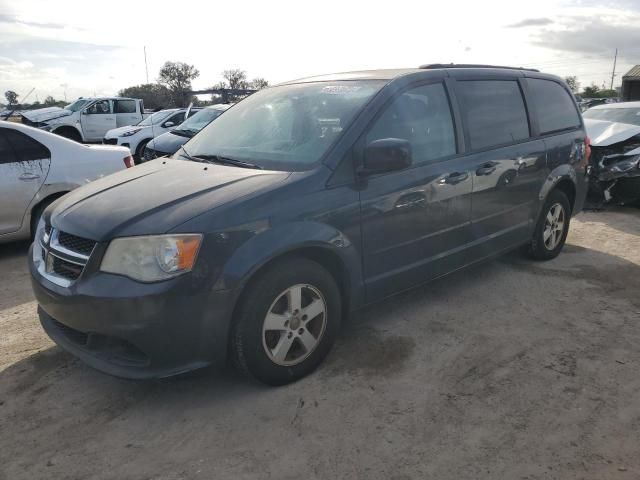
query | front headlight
[130, 132]
[627, 165]
[152, 258]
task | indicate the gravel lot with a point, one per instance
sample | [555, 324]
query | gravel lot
[510, 370]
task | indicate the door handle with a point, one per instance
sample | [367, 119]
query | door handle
[28, 176]
[454, 178]
[486, 169]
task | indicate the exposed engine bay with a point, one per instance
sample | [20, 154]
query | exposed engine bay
[614, 166]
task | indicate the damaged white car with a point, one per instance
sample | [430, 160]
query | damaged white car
[614, 130]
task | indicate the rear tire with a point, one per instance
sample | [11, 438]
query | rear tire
[552, 228]
[287, 322]
[69, 133]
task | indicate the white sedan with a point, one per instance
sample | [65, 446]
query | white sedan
[135, 137]
[37, 167]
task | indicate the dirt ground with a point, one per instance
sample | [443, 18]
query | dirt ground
[510, 370]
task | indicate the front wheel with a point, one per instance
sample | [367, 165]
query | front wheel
[287, 322]
[552, 227]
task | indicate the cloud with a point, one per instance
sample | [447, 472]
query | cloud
[593, 36]
[531, 22]
[11, 19]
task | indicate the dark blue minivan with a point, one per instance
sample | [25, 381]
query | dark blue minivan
[301, 203]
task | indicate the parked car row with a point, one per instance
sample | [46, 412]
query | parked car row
[135, 137]
[299, 204]
[168, 143]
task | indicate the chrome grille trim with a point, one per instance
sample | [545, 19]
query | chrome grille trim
[46, 248]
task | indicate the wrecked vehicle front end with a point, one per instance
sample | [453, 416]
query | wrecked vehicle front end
[614, 166]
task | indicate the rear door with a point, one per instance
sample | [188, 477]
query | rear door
[559, 125]
[126, 112]
[97, 120]
[508, 166]
[416, 222]
[24, 164]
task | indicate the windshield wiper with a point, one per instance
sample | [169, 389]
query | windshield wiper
[188, 156]
[227, 161]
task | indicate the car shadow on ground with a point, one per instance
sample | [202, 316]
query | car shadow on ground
[366, 344]
[13, 261]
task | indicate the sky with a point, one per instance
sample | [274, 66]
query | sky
[96, 47]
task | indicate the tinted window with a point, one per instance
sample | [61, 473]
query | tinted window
[125, 106]
[423, 117]
[177, 119]
[554, 106]
[100, 108]
[25, 147]
[493, 111]
[7, 154]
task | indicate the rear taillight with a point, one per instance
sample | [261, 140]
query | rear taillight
[128, 161]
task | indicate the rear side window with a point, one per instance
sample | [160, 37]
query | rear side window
[125, 106]
[556, 111]
[7, 155]
[493, 111]
[25, 147]
[423, 117]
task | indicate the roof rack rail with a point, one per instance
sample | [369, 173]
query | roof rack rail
[433, 66]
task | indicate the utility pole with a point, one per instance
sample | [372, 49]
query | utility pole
[613, 74]
[146, 67]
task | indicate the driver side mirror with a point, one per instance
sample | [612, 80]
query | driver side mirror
[85, 112]
[168, 125]
[386, 155]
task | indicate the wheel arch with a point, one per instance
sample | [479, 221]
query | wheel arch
[564, 178]
[67, 128]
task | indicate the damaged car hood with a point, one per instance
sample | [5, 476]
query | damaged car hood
[603, 133]
[44, 114]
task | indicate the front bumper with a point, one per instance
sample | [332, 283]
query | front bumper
[134, 330]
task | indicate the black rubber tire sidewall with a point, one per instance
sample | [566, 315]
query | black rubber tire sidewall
[246, 339]
[139, 155]
[537, 249]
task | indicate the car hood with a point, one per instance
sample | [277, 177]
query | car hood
[44, 114]
[154, 198]
[168, 142]
[604, 133]
[116, 132]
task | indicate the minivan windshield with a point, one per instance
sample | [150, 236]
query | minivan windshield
[197, 122]
[622, 115]
[289, 127]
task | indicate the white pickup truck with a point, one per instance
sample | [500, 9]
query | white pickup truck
[87, 119]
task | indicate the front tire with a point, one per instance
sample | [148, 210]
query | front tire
[552, 228]
[287, 321]
[138, 157]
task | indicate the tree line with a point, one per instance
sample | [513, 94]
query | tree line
[172, 89]
[592, 91]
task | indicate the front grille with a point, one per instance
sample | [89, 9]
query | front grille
[151, 154]
[76, 244]
[64, 255]
[110, 141]
[65, 269]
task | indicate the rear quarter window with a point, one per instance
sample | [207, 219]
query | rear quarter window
[25, 147]
[125, 106]
[553, 105]
[493, 112]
